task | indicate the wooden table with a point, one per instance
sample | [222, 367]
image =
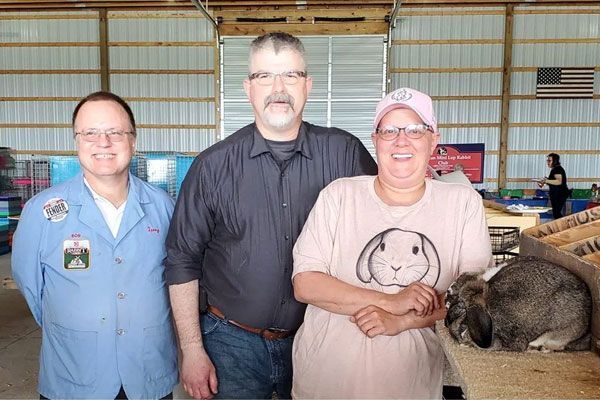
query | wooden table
[532, 375]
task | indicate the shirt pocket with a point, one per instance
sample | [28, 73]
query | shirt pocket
[72, 354]
[160, 351]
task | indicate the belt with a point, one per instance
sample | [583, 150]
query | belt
[267, 333]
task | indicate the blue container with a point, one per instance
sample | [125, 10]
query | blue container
[182, 165]
[577, 205]
[63, 168]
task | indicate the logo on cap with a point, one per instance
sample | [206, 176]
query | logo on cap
[401, 95]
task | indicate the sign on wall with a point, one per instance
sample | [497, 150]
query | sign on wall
[467, 158]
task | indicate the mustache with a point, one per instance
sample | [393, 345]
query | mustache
[279, 98]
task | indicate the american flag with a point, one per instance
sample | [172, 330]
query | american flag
[565, 83]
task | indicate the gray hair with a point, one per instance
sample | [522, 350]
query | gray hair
[276, 41]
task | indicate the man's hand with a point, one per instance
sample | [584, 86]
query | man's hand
[198, 374]
[417, 296]
[373, 321]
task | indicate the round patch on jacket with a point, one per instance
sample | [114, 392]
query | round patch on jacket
[55, 209]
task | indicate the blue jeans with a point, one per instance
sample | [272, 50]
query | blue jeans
[248, 366]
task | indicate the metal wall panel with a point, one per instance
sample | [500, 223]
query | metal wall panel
[451, 84]
[447, 56]
[153, 29]
[178, 140]
[568, 24]
[53, 139]
[32, 85]
[163, 85]
[556, 54]
[150, 112]
[168, 57]
[52, 58]
[554, 138]
[481, 26]
[357, 118]
[423, 39]
[466, 111]
[555, 110]
[155, 26]
[49, 30]
[36, 112]
[353, 57]
[488, 136]
[551, 26]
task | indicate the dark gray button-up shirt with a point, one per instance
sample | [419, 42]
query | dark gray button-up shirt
[239, 214]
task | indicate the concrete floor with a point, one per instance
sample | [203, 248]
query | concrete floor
[20, 339]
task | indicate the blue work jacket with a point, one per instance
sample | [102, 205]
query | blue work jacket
[101, 301]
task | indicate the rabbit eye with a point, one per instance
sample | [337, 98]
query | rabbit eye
[415, 250]
[382, 246]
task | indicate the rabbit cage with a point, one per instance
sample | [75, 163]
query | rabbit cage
[503, 240]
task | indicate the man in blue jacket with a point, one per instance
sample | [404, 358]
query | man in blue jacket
[88, 257]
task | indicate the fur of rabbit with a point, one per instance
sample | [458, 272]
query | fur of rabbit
[528, 304]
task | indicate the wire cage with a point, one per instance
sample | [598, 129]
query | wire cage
[503, 237]
[503, 256]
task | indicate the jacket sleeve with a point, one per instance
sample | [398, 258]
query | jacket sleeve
[191, 228]
[27, 268]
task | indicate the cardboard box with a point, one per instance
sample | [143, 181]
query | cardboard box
[573, 242]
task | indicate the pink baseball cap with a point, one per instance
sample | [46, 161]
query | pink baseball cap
[407, 98]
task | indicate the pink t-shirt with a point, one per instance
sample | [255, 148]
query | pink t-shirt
[352, 235]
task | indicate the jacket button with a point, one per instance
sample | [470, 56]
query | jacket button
[120, 295]
[120, 332]
[118, 260]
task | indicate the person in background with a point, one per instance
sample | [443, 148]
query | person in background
[594, 189]
[88, 257]
[558, 192]
[374, 262]
[240, 209]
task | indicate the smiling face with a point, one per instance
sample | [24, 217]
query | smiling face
[277, 107]
[403, 161]
[104, 159]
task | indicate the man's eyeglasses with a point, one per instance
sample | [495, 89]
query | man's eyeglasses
[413, 131]
[94, 136]
[267, 78]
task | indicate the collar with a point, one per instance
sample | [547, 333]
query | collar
[259, 144]
[79, 192]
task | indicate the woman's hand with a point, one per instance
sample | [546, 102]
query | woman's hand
[373, 321]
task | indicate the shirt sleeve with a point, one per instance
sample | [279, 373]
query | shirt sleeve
[363, 161]
[27, 268]
[313, 250]
[475, 247]
[190, 230]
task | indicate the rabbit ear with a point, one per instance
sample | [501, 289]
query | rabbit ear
[362, 265]
[480, 326]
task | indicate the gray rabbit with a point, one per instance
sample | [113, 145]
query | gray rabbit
[528, 304]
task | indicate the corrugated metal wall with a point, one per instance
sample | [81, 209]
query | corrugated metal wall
[456, 56]
[47, 61]
[553, 37]
[162, 62]
[348, 81]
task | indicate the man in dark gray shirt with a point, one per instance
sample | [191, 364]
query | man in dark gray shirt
[241, 207]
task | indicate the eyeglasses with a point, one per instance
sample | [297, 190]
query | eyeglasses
[94, 136]
[267, 78]
[549, 160]
[413, 131]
